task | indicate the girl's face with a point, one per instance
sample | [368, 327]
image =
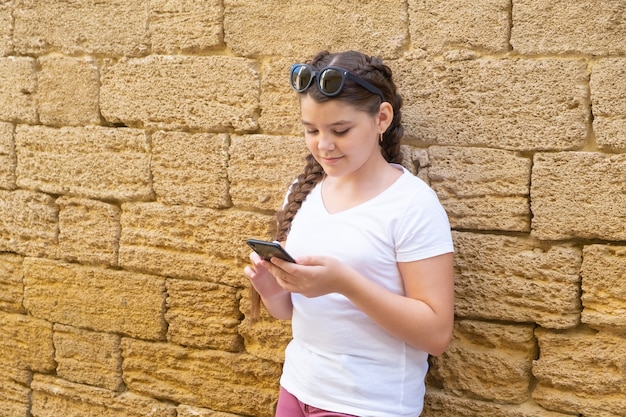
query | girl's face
[342, 139]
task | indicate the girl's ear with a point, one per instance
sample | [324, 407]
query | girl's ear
[385, 116]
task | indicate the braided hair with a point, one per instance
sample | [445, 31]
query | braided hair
[377, 73]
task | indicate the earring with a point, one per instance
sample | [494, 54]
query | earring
[380, 138]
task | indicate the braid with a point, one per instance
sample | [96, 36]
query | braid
[313, 173]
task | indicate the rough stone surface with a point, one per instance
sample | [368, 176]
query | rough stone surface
[14, 391]
[57, 397]
[608, 98]
[280, 108]
[29, 223]
[190, 169]
[482, 24]
[203, 378]
[189, 242]
[259, 172]
[11, 285]
[78, 296]
[484, 189]
[67, 91]
[187, 411]
[480, 354]
[604, 286]
[203, 315]
[7, 157]
[563, 26]
[516, 104]
[87, 357]
[114, 27]
[570, 202]
[439, 404]
[93, 162]
[6, 27]
[516, 279]
[19, 85]
[185, 26]
[581, 371]
[417, 161]
[265, 337]
[208, 93]
[89, 230]
[26, 342]
[251, 31]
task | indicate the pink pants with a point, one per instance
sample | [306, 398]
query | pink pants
[290, 406]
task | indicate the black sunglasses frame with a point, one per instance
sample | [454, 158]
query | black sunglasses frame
[345, 74]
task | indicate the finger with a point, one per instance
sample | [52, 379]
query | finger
[250, 272]
[285, 267]
[254, 257]
[273, 269]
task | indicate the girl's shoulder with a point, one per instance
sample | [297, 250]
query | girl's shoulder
[410, 184]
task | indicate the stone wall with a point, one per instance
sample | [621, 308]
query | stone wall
[142, 141]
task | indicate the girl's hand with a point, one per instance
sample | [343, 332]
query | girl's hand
[277, 301]
[311, 276]
[261, 278]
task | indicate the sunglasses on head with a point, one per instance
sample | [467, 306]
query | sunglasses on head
[330, 80]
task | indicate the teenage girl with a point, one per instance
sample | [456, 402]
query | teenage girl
[371, 293]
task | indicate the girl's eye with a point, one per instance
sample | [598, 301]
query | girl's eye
[341, 132]
[310, 132]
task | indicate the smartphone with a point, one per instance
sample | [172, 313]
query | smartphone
[267, 249]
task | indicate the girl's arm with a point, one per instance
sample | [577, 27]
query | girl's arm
[423, 317]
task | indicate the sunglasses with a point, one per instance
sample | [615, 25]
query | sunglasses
[330, 80]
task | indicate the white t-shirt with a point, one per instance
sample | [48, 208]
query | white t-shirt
[339, 359]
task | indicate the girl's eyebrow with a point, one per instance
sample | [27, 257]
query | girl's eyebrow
[338, 123]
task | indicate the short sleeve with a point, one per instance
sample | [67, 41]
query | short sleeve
[424, 229]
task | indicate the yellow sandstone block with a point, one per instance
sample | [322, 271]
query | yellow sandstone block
[26, 342]
[88, 357]
[517, 279]
[93, 162]
[103, 300]
[56, 397]
[230, 382]
[484, 189]
[203, 315]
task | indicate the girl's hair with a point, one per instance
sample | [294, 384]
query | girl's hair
[377, 73]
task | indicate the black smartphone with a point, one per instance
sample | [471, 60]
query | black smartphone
[267, 249]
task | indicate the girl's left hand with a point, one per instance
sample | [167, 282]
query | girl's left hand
[311, 276]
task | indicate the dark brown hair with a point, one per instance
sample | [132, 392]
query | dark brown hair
[377, 73]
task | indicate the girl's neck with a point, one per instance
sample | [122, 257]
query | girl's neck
[343, 193]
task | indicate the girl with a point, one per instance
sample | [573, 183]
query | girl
[371, 293]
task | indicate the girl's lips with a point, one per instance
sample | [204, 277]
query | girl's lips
[330, 161]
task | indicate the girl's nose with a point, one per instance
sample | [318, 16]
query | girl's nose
[325, 142]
